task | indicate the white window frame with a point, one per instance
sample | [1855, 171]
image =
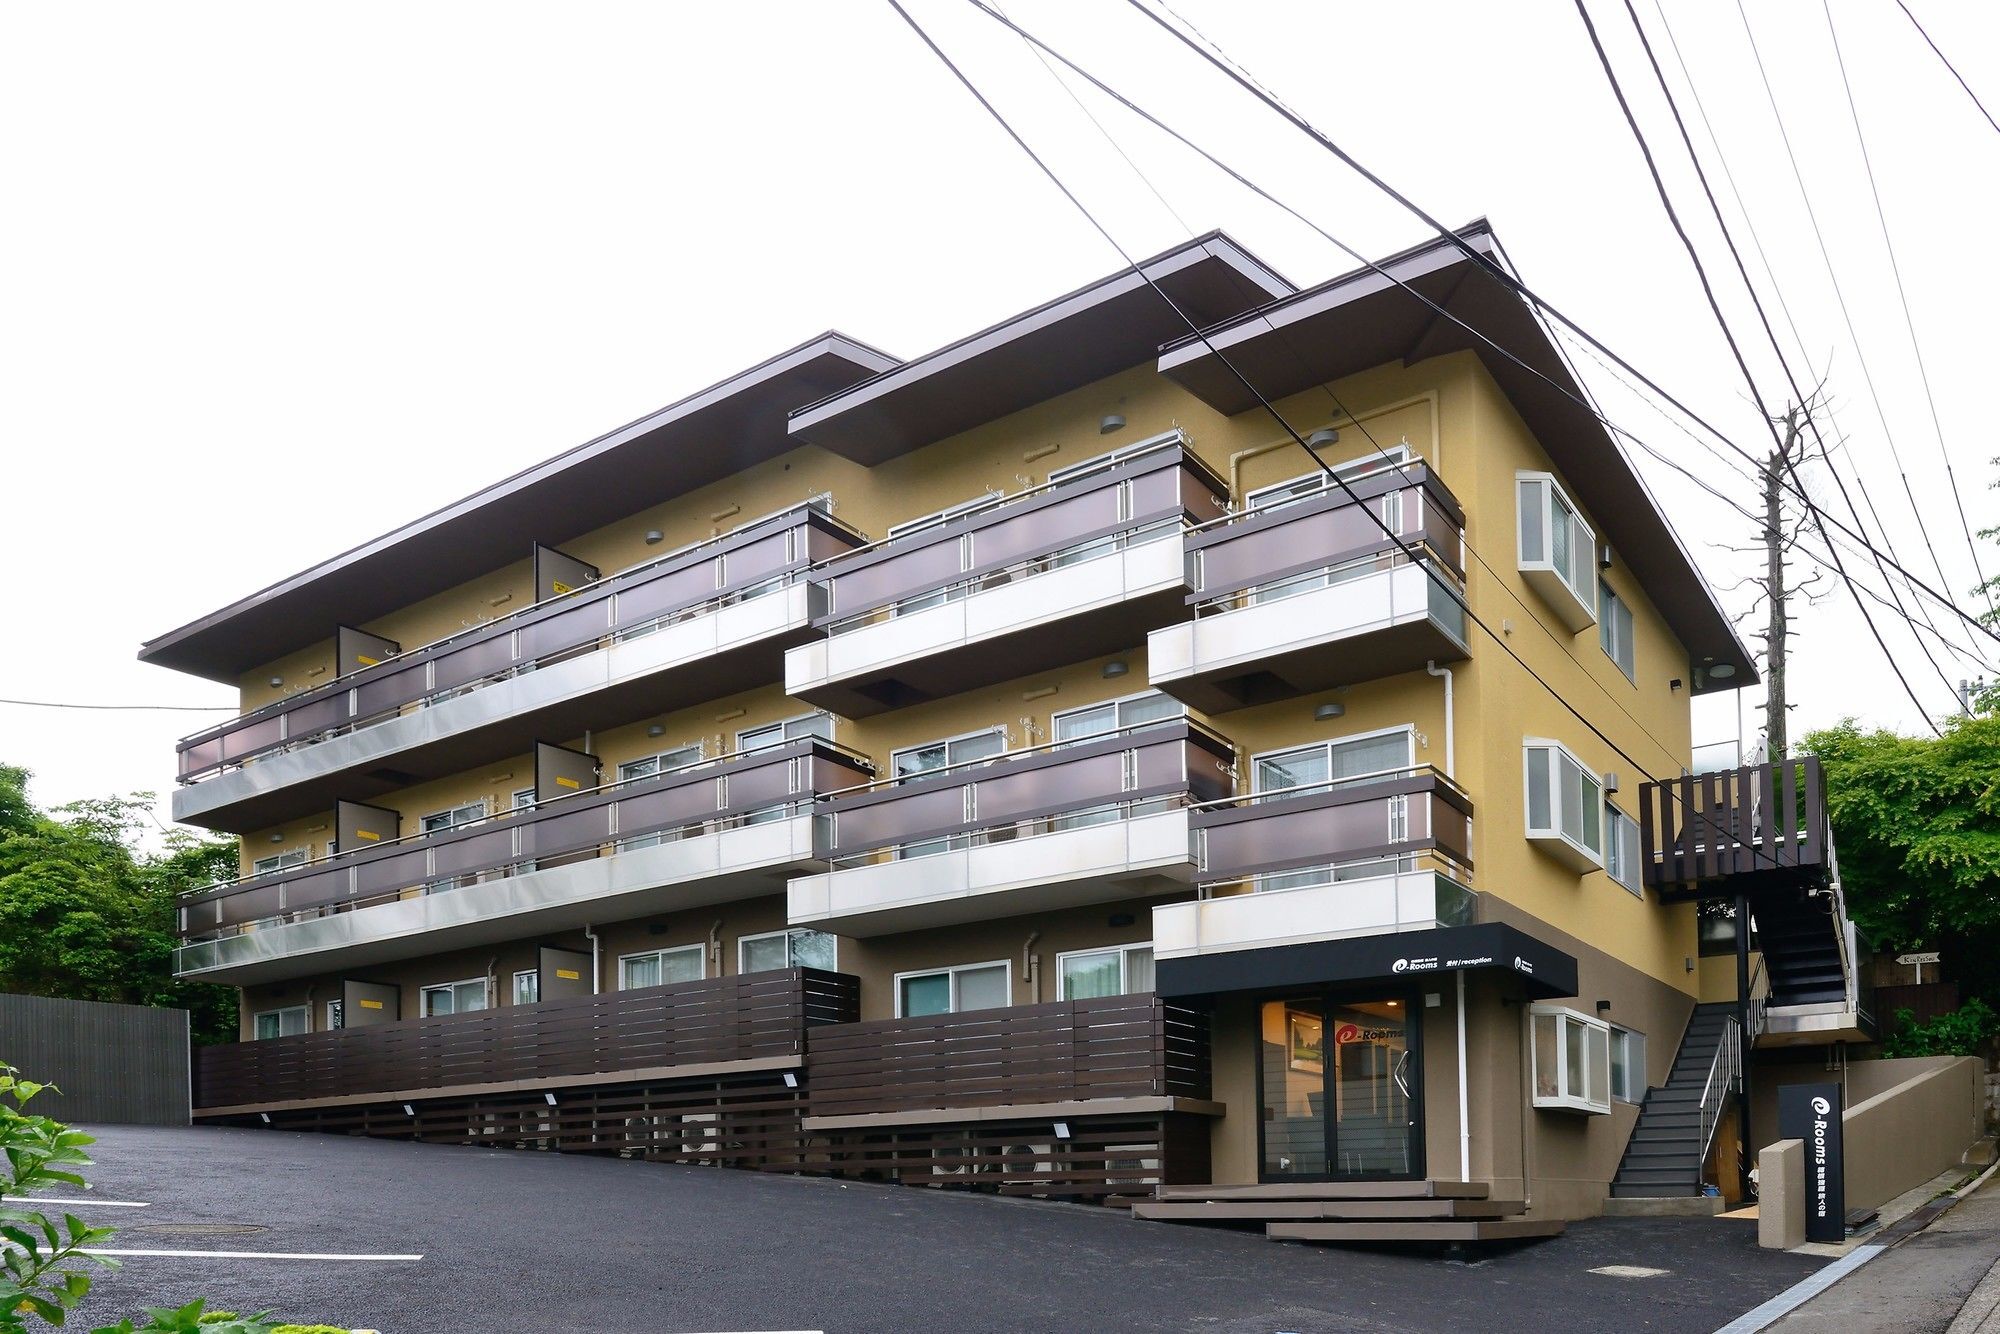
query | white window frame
[1622, 849]
[1589, 798]
[1124, 953]
[945, 515]
[1393, 456]
[662, 953]
[305, 1022]
[1117, 707]
[1572, 1086]
[1408, 730]
[656, 756]
[450, 814]
[515, 994]
[783, 726]
[1616, 631]
[953, 970]
[522, 799]
[789, 933]
[1580, 580]
[281, 861]
[1636, 1083]
[336, 1014]
[946, 741]
[423, 996]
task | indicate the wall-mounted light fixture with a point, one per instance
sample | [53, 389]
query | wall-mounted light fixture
[657, 729]
[1674, 684]
[1610, 780]
[1603, 1005]
[1120, 919]
[1323, 437]
[654, 537]
[277, 681]
[1328, 711]
[277, 836]
[1116, 667]
[1110, 422]
[1722, 671]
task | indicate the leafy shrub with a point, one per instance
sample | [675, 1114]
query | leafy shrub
[1961, 1032]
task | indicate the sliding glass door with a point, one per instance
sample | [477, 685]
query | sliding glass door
[1338, 1087]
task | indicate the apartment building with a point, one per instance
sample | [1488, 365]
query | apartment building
[1021, 767]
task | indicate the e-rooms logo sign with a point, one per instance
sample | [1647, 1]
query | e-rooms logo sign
[1810, 1113]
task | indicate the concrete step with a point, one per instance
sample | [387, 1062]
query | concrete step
[1268, 1211]
[1332, 1190]
[1482, 1229]
[1639, 1190]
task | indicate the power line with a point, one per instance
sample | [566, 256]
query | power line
[1948, 65]
[1743, 272]
[1502, 275]
[1194, 327]
[122, 708]
[1909, 321]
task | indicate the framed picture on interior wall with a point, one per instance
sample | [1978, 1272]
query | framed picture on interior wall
[1305, 1035]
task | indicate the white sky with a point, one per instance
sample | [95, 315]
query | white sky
[254, 254]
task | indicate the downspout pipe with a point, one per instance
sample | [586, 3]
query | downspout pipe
[596, 982]
[1031, 967]
[1450, 732]
[1464, 1096]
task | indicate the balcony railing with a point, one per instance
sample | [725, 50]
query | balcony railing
[1341, 829]
[1064, 785]
[749, 561]
[1758, 821]
[757, 785]
[1068, 1051]
[749, 1017]
[1150, 491]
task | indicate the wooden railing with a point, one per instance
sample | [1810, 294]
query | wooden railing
[1109, 1047]
[1753, 821]
[722, 1019]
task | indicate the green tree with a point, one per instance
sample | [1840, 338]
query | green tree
[1916, 825]
[86, 914]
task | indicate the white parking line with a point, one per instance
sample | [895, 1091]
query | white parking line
[57, 1199]
[250, 1255]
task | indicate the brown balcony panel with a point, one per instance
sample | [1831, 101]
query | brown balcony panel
[580, 824]
[1110, 1047]
[1762, 825]
[1260, 836]
[756, 1016]
[1174, 760]
[982, 552]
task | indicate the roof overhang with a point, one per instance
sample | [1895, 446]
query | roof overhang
[1096, 331]
[1367, 318]
[707, 436]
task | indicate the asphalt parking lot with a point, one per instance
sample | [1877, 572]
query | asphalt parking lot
[530, 1241]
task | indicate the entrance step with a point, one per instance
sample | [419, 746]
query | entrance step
[1268, 1211]
[1480, 1229]
[1332, 1190]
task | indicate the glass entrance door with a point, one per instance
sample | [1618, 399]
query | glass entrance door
[1338, 1088]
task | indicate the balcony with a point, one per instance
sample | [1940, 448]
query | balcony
[708, 833]
[1057, 826]
[1736, 830]
[1313, 593]
[1372, 855]
[691, 625]
[755, 1020]
[1080, 567]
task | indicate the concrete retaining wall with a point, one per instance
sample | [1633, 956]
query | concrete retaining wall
[1905, 1135]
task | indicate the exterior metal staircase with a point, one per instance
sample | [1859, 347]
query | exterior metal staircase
[1676, 1125]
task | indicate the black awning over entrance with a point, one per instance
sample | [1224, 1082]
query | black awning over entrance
[1398, 957]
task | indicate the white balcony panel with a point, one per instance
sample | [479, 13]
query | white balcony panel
[1384, 904]
[1098, 864]
[700, 636]
[1249, 635]
[706, 869]
[1024, 604]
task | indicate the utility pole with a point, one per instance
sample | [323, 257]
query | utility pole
[1775, 741]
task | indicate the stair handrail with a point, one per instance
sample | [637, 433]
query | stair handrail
[1723, 1071]
[1843, 930]
[1759, 1001]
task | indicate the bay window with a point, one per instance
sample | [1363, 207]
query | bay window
[1557, 549]
[1565, 805]
[1572, 1060]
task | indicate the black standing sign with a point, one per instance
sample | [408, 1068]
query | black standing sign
[1811, 1112]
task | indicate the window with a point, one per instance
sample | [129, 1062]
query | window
[1110, 716]
[1565, 805]
[977, 986]
[1572, 1060]
[279, 861]
[336, 1016]
[937, 517]
[1312, 483]
[666, 761]
[439, 821]
[791, 729]
[1332, 761]
[1614, 629]
[1628, 1065]
[527, 986]
[1621, 847]
[656, 968]
[1558, 551]
[456, 997]
[1112, 972]
[920, 760]
[799, 948]
[524, 799]
[285, 1023]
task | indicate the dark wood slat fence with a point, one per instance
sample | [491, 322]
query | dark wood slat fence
[1759, 819]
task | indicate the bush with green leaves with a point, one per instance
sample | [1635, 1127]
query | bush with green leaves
[1961, 1032]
